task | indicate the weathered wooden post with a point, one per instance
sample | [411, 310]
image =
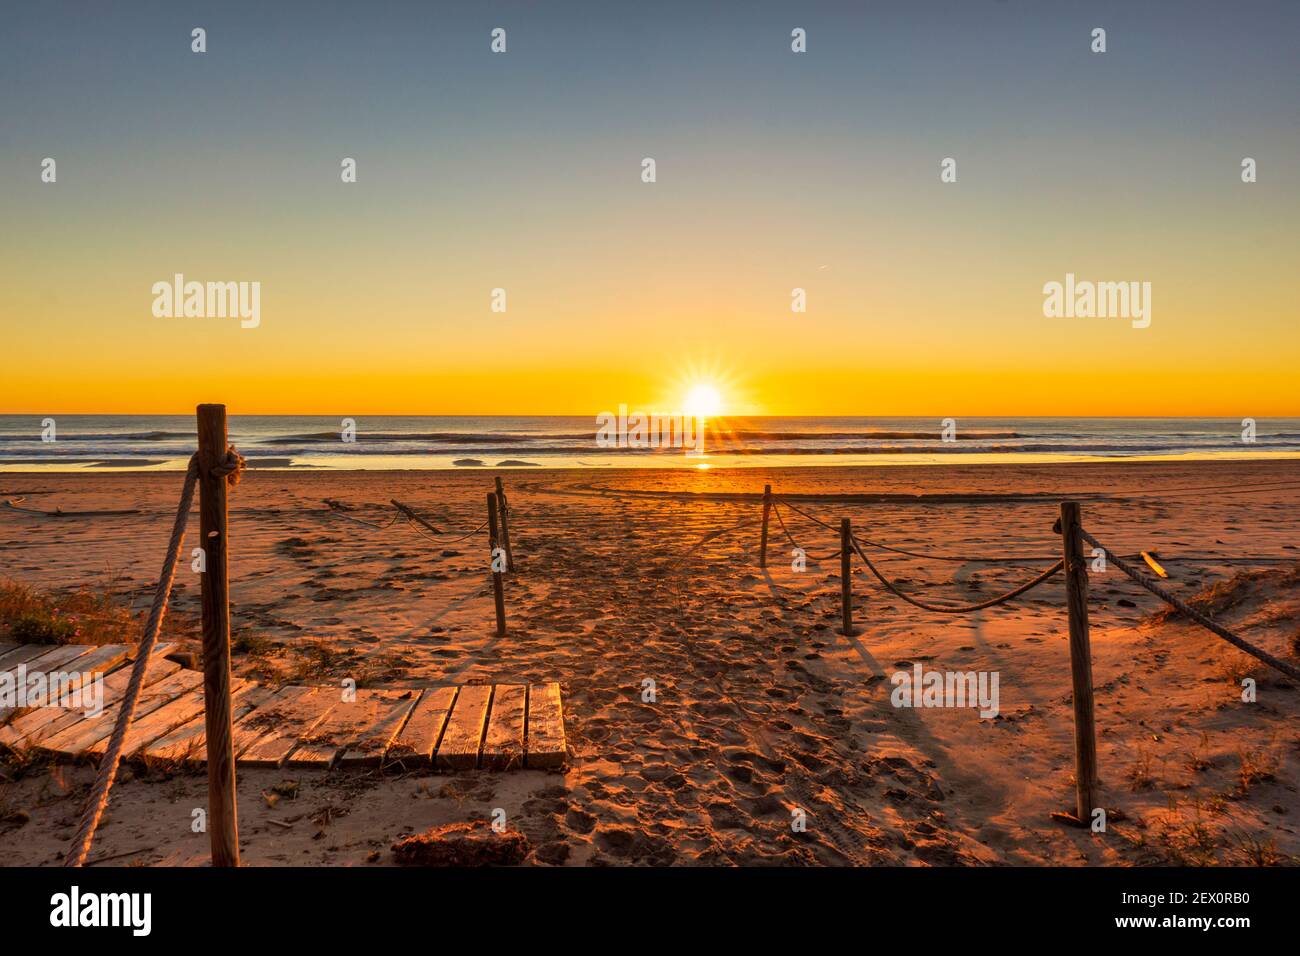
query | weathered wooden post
[846, 572]
[767, 507]
[498, 593]
[1076, 597]
[504, 509]
[222, 822]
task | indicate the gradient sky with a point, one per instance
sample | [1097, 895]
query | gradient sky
[775, 170]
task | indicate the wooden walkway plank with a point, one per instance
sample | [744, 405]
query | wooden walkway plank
[346, 722]
[282, 723]
[77, 665]
[415, 743]
[370, 743]
[463, 737]
[56, 659]
[501, 727]
[188, 742]
[21, 655]
[82, 735]
[546, 744]
[44, 722]
[503, 744]
[103, 659]
[149, 727]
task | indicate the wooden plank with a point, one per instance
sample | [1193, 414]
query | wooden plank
[82, 670]
[103, 659]
[284, 722]
[55, 659]
[347, 722]
[503, 744]
[44, 722]
[79, 737]
[7, 646]
[262, 720]
[368, 746]
[415, 743]
[545, 745]
[81, 663]
[464, 734]
[149, 727]
[188, 742]
[21, 655]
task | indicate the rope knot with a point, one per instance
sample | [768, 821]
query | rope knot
[231, 467]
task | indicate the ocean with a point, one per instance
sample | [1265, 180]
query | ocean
[135, 442]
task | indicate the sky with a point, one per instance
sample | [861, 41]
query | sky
[775, 170]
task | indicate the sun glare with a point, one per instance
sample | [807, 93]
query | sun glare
[703, 401]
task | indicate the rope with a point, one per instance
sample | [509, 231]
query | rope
[337, 508]
[468, 534]
[795, 544]
[230, 468]
[964, 608]
[800, 511]
[1289, 669]
[958, 559]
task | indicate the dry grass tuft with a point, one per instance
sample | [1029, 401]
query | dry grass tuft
[85, 616]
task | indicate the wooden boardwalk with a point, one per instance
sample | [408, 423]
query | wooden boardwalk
[492, 726]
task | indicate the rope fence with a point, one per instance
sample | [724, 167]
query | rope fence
[1072, 562]
[1190, 612]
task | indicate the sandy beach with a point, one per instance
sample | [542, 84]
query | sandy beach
[760, 708]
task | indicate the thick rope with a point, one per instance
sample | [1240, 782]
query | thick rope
[231, 469]
[1289, 669]
[964, 608]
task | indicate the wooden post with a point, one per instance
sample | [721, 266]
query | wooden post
[846, 576]
[1076, 596]
[504, 509]
[222, 822]
[498, 594]
[767, 507]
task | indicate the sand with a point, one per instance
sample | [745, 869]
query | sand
[760, 709]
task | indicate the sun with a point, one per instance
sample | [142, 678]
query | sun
[703, 401]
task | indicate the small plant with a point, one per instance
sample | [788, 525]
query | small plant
[102, 615]
[44, 628]
[1140, 776]
[1256, 767]
[252, 643]
[1257, 852]
[1197, 761]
